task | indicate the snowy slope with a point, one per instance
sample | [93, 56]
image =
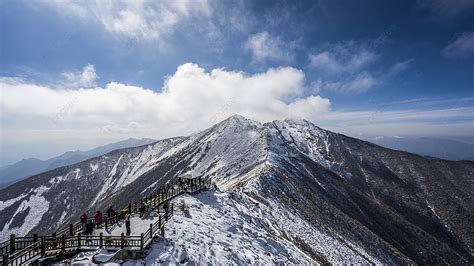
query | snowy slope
[334, 198]
[218, 229]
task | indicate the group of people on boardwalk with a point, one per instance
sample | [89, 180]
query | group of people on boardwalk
[88, 225]
[145, 210]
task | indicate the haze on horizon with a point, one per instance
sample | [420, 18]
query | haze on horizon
[79, 74]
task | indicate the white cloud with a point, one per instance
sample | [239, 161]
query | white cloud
[87, 78]
[462, 47]
[344, 68]
[448, 8]
[143, 19]
[264, 46]
[191, 99]
[361, 83]
[342, 58]
[400, 67]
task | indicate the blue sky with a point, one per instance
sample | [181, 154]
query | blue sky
[81, 73]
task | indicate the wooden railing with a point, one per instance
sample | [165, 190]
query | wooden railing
[19, 250]
[17, 243]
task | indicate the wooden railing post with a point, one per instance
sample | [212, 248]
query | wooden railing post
[141, 241]
[5, 260]
[106, 223]
[63, 243]
[162, 231]
[71, 230]
[79, 240]
[35, 238]
[43, 248]
[12, 243]
[172, 207]
[151, 230]
[53, 237]
[101, 240]
[122, 240]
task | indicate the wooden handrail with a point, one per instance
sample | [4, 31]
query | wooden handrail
[65, 240]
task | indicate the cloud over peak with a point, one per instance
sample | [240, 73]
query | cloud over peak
[190, 100]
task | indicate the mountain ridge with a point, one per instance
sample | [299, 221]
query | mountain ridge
[334, 195]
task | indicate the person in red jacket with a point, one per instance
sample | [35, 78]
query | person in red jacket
[83, 219]
[98, 218]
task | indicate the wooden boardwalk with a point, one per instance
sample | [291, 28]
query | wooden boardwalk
[69, 239]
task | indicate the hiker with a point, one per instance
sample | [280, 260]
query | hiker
[110, 212]
[141, 210]
[98, 218]
[148, 211]
[127, 225]
[83, 220]
[89, 230]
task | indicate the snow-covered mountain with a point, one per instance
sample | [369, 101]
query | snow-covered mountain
[332, 197]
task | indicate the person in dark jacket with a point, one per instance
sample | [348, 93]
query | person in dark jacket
[89, 230]
[98, 218]
[127, 225]
[83, 220]
[142, 210]
[110, 212]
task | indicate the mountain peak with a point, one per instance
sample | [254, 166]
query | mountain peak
[240, 120]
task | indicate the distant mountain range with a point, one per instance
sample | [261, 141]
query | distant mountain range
[441, 148]
[10, 174]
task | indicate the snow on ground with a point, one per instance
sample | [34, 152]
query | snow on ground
[233, 228]
[145, 161]
[91, 258]
[35, 206]
[7, 203]
[94, 167]
[217, 229]
[220, 230]
[330, 247]
[137, 226]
